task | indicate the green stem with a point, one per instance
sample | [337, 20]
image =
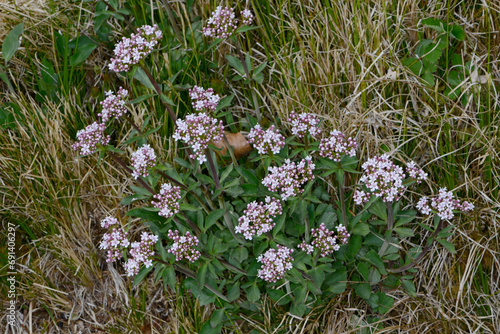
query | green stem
[390, 224]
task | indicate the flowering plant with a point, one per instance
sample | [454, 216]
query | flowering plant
[233, 228]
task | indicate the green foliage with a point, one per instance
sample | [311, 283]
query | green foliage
[440, 58]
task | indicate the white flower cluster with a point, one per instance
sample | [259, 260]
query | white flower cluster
[221, 24]
[266, 142]
[258, 218]
[275, 262]
[143, 159]
[131, 51]
[168, 200]
[289, 178]
[204, 99]
[443, 205]
[141, 253]
[304, 123]
[198, 131]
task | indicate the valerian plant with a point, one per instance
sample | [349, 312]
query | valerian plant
[281, 221]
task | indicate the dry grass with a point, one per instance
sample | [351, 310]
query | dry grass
[341, 61]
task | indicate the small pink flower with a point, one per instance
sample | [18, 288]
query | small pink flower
[113, 105]
[443, 205]
[325, 241]
[415, 173]
[198, 131]
[109, 221]
[142, 160]
[383, 178]
[289, 178]
[168, 200]
[114, 242]
[304, 123]
[90, 137]
[204, 99]
[258, 218]
[184, 246]
[247, 17]
[131, 51]
[266, 142]
[337, 145]
[141, 253]
[360, 197]
[222, 23]
[275, 262]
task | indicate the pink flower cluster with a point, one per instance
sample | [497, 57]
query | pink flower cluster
[337, 145]
[325, 241]
[183, 247]
[115, 241]
[247, 17]
[221, 24]
[258, 218]
[141, 253]
[113, 105]
[204, 99]
[304, 123]
[342, 234]
[289, 178]
[90, 137]
[383, 178]
[142, 159]
[131, 51]
[415, 173]
[266, 142]
[108, 222]
[275, 262]
[168, 197]
[198, 131]
[443, 205]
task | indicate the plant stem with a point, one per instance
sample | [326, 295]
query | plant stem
[212, 169]
[172, 21]
[340, 179]
[390, 223]
[191, 224]
[159, 92]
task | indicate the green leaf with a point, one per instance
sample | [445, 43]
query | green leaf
[448, 245]
[81, 54]
[141, 275]
[428, 78]
[145, 214]
[169, 277]
[457, 32]
[246, 28]
[183, 163]
[141, 98]
[234, 292]
[414, 64]
[374, 259]
[167, 100]
[259, 69]
[207, 328]
[188, 207]
[361, 229]
[236, 64]
[225, 174]
[143, 78]
[253, 293]
[385, 302]
[213, 217]
[225, 102]
[201, 275]
[216, 317]
[435, 24]
[410, 287]
[318, 276]
[404, 232]
[11, 42]
[363, 290]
